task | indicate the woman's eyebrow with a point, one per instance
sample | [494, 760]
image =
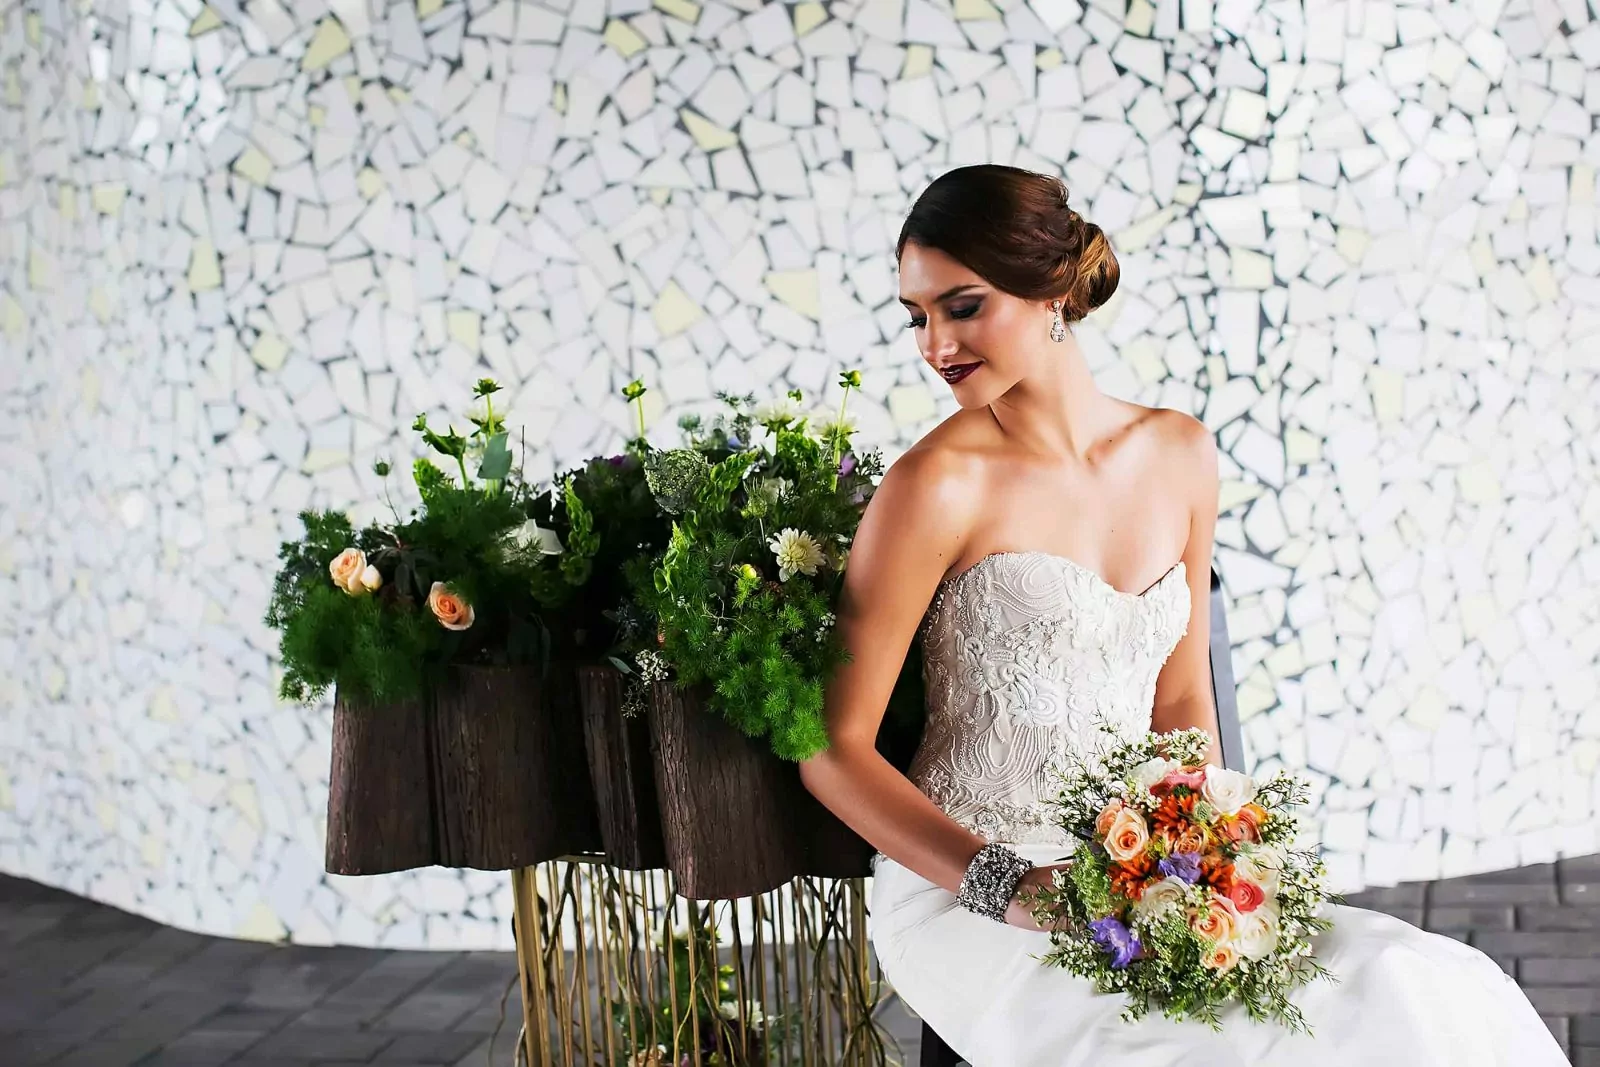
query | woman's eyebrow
[946, 295]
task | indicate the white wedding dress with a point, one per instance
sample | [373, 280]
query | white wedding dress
[1022, 653]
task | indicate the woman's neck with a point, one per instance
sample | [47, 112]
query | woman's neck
[1060, 412]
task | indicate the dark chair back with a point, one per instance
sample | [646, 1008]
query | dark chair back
[935, 1053]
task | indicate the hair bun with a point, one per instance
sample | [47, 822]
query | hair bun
[1015, 229]
[1091, 267]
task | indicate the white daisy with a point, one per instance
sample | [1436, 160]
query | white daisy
[798, 553]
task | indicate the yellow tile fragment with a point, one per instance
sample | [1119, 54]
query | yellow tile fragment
[205, 272]
[687, 10]
[674, 311]
[327, 44]
[808, 17]
[205, 22]
[707, 134]
[797, 289]
[625, 39]
[254, 165]
[977, 11]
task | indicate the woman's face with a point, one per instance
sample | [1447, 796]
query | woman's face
[980, 340]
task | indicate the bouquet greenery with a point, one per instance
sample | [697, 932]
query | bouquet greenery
[1186, 892]
[764, 507]
[466, 578]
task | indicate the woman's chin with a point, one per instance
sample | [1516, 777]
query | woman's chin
[971, 395]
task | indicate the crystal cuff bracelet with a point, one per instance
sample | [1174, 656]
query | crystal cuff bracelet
[990, 880]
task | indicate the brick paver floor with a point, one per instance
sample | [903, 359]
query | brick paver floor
[82, 983]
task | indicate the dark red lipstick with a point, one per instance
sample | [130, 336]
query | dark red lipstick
[958, 372]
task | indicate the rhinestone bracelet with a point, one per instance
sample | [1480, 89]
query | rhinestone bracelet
[990, 880]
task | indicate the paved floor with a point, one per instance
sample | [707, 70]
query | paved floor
[81, 983]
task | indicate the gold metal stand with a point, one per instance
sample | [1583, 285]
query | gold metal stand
[618, 970]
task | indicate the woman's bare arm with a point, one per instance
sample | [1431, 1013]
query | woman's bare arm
[913, 531]
[1183, 689]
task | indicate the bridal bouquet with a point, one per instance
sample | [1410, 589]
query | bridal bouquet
[1185, 893]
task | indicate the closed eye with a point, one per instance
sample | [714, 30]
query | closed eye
[955, 313]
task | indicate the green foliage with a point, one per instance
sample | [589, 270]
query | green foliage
[695, 996]
[470, 536]
[612, 528]
[728, 615]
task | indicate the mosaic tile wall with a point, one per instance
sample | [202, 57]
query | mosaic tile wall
[241, 245]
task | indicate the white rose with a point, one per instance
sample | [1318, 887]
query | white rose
[1152, 771]
[1256, 932]
[1261, 866]
[1227, 791]
[371, 579]
[531, 535]
[1160, 898]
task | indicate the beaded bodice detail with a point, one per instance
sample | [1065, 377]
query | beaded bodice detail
[1024, 654]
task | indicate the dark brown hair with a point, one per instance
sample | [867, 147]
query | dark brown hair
[1013, 228]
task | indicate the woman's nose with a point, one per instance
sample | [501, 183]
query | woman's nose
[937, 342]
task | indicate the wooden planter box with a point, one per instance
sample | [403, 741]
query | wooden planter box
[620, 766]
[380, 804]
[736, 819]
[488, 772]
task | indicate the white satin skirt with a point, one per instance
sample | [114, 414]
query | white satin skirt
[1404, 996]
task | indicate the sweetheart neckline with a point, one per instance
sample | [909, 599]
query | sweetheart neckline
[1069, 561]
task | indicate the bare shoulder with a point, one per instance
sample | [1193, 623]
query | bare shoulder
[931, 495]
[1177, 439]
[931, 484]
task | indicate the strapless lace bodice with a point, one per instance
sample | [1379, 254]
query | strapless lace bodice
[1024, 654]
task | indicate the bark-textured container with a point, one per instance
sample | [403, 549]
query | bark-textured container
[487, 772]
[380, 796]
[508, 755]
[736, 819]
[623, 774]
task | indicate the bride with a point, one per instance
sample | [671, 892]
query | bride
[1052, 545]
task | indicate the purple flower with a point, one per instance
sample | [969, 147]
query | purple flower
[735, 442]
[617, 461]
[848, 463]
[1184, 866]
[1116, 940]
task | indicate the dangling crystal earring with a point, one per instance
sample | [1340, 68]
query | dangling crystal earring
[1058, 328]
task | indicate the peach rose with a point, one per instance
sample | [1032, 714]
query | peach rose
[452, 612]
[1245, 895]
[1216, 923]
[1220, 957]
[1191, 838]
[371, 580]
[346, 569]
[1102, 825]
[1251, 816]
[1127, 835]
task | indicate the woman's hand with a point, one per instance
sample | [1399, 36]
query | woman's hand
[1017, 912]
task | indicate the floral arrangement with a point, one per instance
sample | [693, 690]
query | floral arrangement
[629, 531]
[764, 507]
[465, 578]
[1186, 892]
